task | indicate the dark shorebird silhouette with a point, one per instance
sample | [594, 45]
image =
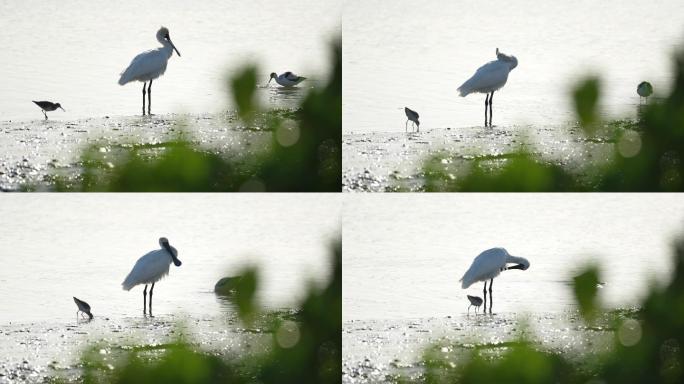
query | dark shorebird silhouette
[83, 307]
[474, 300]
[644, 89]
[412, 116]
[47, 106]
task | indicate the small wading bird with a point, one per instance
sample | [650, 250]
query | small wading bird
[412, 116]
[489, 78]
[487, 265]
[287, 79]
[644, 89]
[474, 300]
[47, 106]
[149, 65]
[151, 268]
[83, 307]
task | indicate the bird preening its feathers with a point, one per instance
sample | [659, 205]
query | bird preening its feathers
[489, 78]
[488, 265]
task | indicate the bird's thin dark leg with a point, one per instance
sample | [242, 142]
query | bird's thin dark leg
[491, 101]
[491, 297]
[484, 291]
[45, 114]
[145, 293]
[149, 102]
[144, 84]
[406, 126]
[151, 289]
[486, 104]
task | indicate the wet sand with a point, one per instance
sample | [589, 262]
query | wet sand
[385, 162]
[33, 152]
[377, 351]
[35, 352]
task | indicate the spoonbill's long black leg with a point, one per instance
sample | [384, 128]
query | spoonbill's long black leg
[151, 289]
[149, 106]
[145, 298]
[484, 291]
[486, 104]
[144, 84]
[491, 101]
[491, 282]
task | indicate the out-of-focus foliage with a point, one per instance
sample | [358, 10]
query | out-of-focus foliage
[585, 288]
[647, 345]
[305, 152]
[648, 153]
[305, 348]
[586, 96]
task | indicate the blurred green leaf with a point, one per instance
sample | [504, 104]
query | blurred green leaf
[585, 288]
[586, 96]
[245, 293]
[243, 85]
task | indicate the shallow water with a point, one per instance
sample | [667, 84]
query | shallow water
[385, 162]
[61, 245]
[377, 351]
[404, 254]
[33, 152]
[73, 53]
[417, 53]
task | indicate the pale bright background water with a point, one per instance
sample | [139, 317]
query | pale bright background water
[55, 246]
[417, 53]
[404, 254]
[73, 51]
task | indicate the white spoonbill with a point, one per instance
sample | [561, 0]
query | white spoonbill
[412, 116]
[489, 78]
[644, 89]
[83, 307]
[149, 65]
[487, 265]
[151, 268]
[287, 79]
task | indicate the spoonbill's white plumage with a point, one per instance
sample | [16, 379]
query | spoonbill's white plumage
[474, 300]
[286, 79]
[83, 307]
[489, 78]
[487, 265]
[47, 106]
[151, 268]
[644, 89]
[149, 65]
[411, 116]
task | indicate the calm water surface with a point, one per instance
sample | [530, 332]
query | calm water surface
[404, 254]
[417, 53]
[73, 52]
[56, 246]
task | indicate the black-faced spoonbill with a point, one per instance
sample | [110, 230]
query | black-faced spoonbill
[644, 89]
[151, 268]
[474, 300]
[149, 65]
[489, 78]
[487, 265]
[411, 116]
[83, 307]
[287, 79]
[48, 106]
